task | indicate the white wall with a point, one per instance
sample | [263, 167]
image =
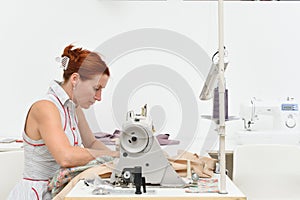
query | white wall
[262, 39]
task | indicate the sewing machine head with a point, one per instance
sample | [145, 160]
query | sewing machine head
[283, 115]
[137, 134]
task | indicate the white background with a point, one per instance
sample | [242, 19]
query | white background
[262, 39]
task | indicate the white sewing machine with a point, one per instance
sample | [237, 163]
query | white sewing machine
[139, 147]
[270, 122]
[284, 115]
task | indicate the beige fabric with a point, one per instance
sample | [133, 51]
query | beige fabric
[203, 166]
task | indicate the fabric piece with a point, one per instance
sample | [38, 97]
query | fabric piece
[63, 176]
[109, 139]
[203, 166]
[210, 185]
[103, 170]
[163, 139]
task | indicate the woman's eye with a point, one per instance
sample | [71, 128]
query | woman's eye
[97, 89]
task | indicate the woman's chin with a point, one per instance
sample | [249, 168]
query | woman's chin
[86, 106]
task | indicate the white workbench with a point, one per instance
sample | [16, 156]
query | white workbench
[14, 146]
[82, 192]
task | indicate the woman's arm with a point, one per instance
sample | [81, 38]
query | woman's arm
[44, 122]
[88, 138]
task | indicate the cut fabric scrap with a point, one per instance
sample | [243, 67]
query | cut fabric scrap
[203, 166]
[204, 185]
[163, 139]
[109, 139]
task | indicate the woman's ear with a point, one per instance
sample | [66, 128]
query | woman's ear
[75, 79]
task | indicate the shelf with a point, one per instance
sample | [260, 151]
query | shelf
[209, 117]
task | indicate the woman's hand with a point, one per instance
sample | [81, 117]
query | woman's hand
[115, 154]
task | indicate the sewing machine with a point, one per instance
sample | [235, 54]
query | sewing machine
[140, 148]
[270, 122]
[284, 115]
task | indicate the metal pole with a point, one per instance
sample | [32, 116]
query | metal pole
[221, 86]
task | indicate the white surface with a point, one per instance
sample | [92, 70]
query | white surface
[267, 171]
[267, 137]
[81, 190]
[11, 171]
[11, 146]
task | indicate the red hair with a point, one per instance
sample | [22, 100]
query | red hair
[84, 62]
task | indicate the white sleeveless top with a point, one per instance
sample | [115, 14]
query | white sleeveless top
[39, 165]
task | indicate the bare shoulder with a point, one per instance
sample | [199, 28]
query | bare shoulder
[43, 115]
[43, 108]
[43, 105]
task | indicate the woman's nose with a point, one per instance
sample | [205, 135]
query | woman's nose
[97, 96]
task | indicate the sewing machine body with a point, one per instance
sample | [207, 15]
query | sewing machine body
[139, 147]
[261, 115]
[269, 122]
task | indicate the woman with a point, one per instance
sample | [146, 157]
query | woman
[56, 133]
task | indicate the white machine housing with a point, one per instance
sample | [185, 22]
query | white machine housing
[139, 147]
[268, 122]
[284, 115]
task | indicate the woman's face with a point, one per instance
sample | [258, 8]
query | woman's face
[87, 92]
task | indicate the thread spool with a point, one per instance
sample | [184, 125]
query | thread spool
[216, 104]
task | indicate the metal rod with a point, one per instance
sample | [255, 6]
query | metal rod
[221, 86]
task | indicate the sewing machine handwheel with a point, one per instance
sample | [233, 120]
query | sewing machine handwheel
[135, 139]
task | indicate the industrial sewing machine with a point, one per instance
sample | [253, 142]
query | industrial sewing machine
[140, 148]
[270, 122]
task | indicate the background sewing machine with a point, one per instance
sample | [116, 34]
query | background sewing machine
[270, 122]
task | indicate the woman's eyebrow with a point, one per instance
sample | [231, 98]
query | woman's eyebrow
[99, 86]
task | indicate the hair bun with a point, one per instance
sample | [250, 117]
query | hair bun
[73, 54]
